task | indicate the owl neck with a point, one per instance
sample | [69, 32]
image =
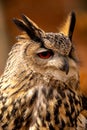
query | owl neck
[22, 94]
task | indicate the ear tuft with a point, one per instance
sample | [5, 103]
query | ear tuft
[72, 24]
[27, 25]
[69, 25]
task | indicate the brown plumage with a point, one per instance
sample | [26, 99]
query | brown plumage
[39, 89]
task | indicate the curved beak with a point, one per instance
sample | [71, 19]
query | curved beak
[65, 66]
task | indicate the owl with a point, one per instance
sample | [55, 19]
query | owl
[39, 88]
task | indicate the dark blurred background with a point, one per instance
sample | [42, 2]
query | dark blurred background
[49, 15]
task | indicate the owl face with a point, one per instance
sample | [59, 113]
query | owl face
[49, 59]
[49, 53]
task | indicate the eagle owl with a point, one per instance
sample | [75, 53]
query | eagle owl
[39, 89]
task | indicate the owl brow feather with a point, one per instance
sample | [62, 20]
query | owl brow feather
[29, 27]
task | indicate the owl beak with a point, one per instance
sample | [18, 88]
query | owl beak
[65, 66]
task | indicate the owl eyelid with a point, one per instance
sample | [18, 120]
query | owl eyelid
[42, 50]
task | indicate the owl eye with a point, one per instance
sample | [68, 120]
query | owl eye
[45, 54]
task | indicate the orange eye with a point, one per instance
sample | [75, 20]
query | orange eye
[45, 54]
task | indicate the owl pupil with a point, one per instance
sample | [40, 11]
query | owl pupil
[45, 54]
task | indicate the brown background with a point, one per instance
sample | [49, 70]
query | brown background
[49, 15]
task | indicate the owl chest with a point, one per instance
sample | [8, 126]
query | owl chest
[57, 107]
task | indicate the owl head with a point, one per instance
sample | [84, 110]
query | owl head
[48, 53]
